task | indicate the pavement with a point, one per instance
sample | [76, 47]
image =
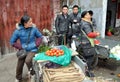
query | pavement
[108, 69]
[8, 66]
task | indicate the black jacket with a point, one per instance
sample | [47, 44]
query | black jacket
[74, 22]
[85, 28]
[62, 24]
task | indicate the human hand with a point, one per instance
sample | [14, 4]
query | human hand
[97, 33]
[38, 41]
[17, 46]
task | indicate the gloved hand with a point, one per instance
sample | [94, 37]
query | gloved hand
[17, 46]
[38, 41]
[45, 39]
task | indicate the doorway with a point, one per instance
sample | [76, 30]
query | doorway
[111, 14]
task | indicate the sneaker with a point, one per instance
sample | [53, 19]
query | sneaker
[32, 78]
[28, 74]
[16, 80]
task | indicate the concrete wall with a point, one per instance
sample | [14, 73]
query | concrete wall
[99, 7]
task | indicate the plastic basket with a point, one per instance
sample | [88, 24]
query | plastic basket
[103, 51]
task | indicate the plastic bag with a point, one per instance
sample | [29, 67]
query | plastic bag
[115, 52]
[62, 60]
[73, 46]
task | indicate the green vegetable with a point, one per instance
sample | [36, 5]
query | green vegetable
[43, 48]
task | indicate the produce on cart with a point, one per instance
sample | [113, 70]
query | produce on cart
[58, 54]
[59, 64]
[43, 48]
[54, 52]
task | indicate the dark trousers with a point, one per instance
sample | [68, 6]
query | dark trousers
[62, 40]
[20, 64]
[88, 53]
[89, 61]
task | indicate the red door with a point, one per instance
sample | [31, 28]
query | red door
[10, 12]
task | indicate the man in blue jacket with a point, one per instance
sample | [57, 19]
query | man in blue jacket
[24, 30]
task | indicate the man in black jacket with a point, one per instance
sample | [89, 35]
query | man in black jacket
[74, 20]
[62, 25]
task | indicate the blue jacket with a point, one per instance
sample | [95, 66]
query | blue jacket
[22, 34]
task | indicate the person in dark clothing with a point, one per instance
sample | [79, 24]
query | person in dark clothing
[92, 19]
[22, 32]
[94, 25]
[62, 25]
[87, 38]
[74, 21]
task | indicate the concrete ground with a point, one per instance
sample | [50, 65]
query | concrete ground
[8, 68]
[108, 70]
[8, 65]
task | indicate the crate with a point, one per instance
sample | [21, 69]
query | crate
[71, 73]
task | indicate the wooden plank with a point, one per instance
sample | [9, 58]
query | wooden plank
[63, 75]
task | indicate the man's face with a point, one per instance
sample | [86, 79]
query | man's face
[75, 10]
[65, 10]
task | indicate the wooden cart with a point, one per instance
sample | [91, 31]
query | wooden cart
[77, 69]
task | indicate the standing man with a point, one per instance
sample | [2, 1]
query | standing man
[74, 20]
[62, 25]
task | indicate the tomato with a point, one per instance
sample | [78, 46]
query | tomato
[62, 53]
[109, 33]
[54, 52]
[96, 42]
[57, 55]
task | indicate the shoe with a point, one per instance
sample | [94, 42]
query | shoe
[28, 75]
[32, 78]
[16, 80]
[90, 74]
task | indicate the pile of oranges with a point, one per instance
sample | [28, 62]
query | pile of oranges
[54, 52]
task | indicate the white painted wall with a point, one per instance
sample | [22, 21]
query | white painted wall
[99, 7]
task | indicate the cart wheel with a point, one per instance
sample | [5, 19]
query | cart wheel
[37, 76]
